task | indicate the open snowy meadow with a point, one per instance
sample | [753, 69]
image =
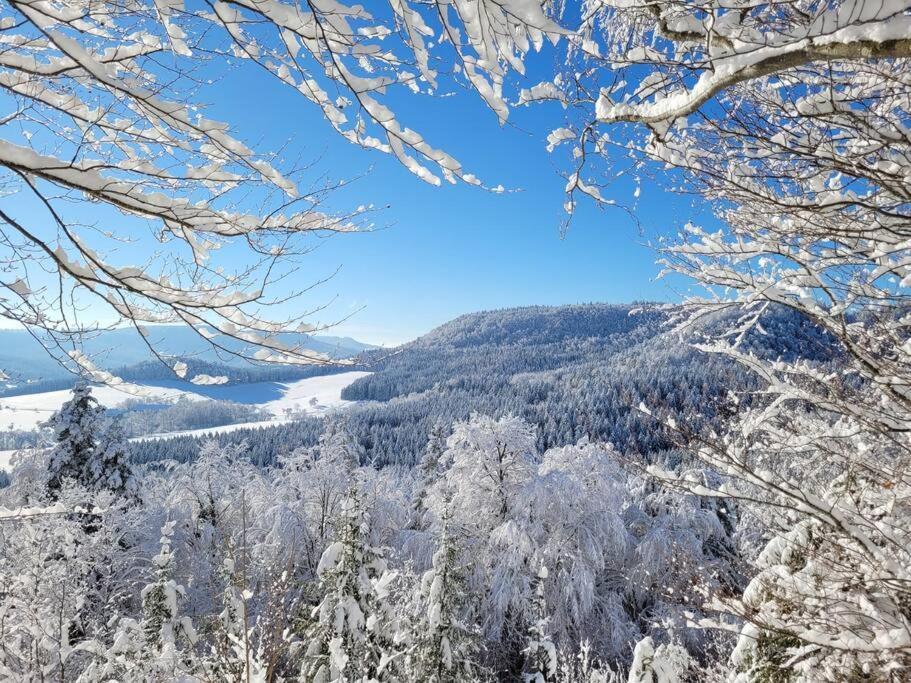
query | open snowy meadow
[309, 396]
[306, 396]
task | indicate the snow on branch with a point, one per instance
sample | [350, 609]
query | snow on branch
[133, 193]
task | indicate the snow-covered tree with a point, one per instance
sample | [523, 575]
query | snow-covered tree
[158, 644]
[338, 444]
[578, 502]
[43, 586]
[349, 639]
[486, 491]
[541, 664]
[491, 463]
[443, 642]
[313, 483]
[811, 612]
[429, 470]
[665, 663]
[87, 452]
[166, 637]
[236, 655]
[516, 510]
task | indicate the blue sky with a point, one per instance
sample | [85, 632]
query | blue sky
[443, 251]
[439, 252]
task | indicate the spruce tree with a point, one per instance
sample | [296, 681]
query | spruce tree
[444, 644]
[348, 641]
[87, 452]
[159, 646]
[540, 654]
[429, 469]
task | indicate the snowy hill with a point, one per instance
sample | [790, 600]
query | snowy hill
[572, 371]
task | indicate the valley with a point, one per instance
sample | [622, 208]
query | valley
[278, 402]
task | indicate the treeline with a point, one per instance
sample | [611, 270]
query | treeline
[138, 419]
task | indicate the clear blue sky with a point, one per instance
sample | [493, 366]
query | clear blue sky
[444, 251]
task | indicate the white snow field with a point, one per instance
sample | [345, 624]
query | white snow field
[314, 394]
[28, 411]
[311, 396]
[5, 459]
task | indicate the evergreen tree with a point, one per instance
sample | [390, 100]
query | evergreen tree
[541, 653]
[444, 645]
[235, 656]
[87, 452]
[347, 640]
[162, 627]
[429, 469]
[159, 646]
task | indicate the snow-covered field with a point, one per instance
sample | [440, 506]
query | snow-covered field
[5, 459]
[314, 394]
[311, 396]
[27, 412]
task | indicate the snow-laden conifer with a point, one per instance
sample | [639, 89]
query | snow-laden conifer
[541, 663]
[349, 640]
[443, 640]
[429, 470]
[158, 646]
[88, 451]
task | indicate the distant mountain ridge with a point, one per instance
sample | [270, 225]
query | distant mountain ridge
[22, 358]
[534, 325]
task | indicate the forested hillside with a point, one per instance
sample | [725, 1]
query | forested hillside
[572, 371]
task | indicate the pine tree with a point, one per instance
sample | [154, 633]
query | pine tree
[541, 653]
[348, 641]
[86, 452]
[158, 647]
[443, 644]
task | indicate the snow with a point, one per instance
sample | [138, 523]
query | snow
[314, 394]
[28, 411]
[310, 396]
